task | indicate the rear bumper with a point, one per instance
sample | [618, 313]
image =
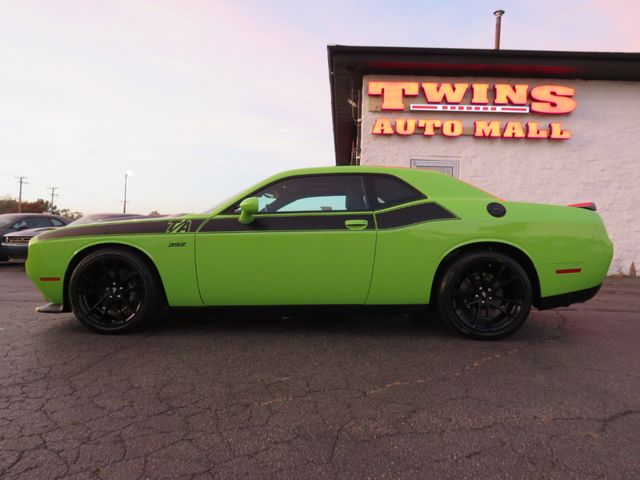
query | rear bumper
[566, 299]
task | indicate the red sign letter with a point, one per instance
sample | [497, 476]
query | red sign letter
[382, 127]
[513, 130]
[533, 131]
[405, 126]
[553, 99]
[392, 93]
[557, 133]
[453, 93]
[452, 128]
[480, 93]
[486, 129]
[514, 94]
[429, 126]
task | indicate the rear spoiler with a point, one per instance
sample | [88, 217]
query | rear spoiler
[586, 205]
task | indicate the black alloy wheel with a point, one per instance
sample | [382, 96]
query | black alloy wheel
[485, 295]
[113, 290]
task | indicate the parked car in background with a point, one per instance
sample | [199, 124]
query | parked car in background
[21, 222]
[15, 244]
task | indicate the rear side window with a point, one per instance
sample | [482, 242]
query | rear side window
[56, 223]
[390, 191]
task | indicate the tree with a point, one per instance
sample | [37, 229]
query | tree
[53, 209]
[65, 212]
[10, 205]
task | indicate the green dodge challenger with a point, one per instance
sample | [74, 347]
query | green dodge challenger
[368, 236]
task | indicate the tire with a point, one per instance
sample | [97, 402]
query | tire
[485, 295]
[113, 291]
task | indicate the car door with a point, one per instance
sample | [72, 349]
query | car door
[409, 229]
[312, 242]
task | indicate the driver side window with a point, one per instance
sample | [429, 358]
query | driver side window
[19, 225]
[313, 193]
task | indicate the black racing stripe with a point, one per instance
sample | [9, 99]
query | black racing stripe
[293, 223]
[132, 227]
[195, 225]
[402, 217]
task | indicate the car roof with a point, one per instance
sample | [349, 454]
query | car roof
[353, 169]
[28, 214]
[430, 182]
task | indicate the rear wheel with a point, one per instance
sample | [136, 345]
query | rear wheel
[113, 290]
[485, 295]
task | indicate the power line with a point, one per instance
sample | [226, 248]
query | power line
[21, 181]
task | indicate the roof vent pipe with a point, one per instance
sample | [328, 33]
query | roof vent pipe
[498, 14]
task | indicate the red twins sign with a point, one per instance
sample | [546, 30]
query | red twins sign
[472, 98]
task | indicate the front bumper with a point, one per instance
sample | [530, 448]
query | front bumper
[15, 252]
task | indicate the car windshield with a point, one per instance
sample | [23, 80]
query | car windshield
[6, 220]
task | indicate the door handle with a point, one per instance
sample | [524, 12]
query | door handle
[356, 224]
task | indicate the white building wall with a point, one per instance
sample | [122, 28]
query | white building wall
[600, 163]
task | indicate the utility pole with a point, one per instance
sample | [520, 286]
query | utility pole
[21, 181]
[53, 194]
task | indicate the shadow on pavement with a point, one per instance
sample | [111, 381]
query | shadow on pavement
[297, 323]
[277, 324]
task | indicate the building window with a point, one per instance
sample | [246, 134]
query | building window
[449, 166]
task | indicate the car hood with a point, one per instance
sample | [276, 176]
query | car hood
[31, 232]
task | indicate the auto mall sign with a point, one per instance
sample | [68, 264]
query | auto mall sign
[475, 99]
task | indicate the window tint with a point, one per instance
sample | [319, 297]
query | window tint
[56, 223]
[32, 222]
[390, 191]
[314, 193]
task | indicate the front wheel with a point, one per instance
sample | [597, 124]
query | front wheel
[113, 290]
[485, 295]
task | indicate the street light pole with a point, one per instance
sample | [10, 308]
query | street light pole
[124, 204]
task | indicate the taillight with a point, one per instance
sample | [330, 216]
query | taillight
[586, 205]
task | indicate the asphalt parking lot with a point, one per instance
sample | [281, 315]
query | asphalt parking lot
[320, 397]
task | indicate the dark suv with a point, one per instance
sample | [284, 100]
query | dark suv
[15, 222]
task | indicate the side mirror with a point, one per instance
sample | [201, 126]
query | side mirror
[248, 208]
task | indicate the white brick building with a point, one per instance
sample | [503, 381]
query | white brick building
[441, 109]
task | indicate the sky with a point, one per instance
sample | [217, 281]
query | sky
[201, 99]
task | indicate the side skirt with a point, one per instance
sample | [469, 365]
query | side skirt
[52, 308]
[306, 310]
